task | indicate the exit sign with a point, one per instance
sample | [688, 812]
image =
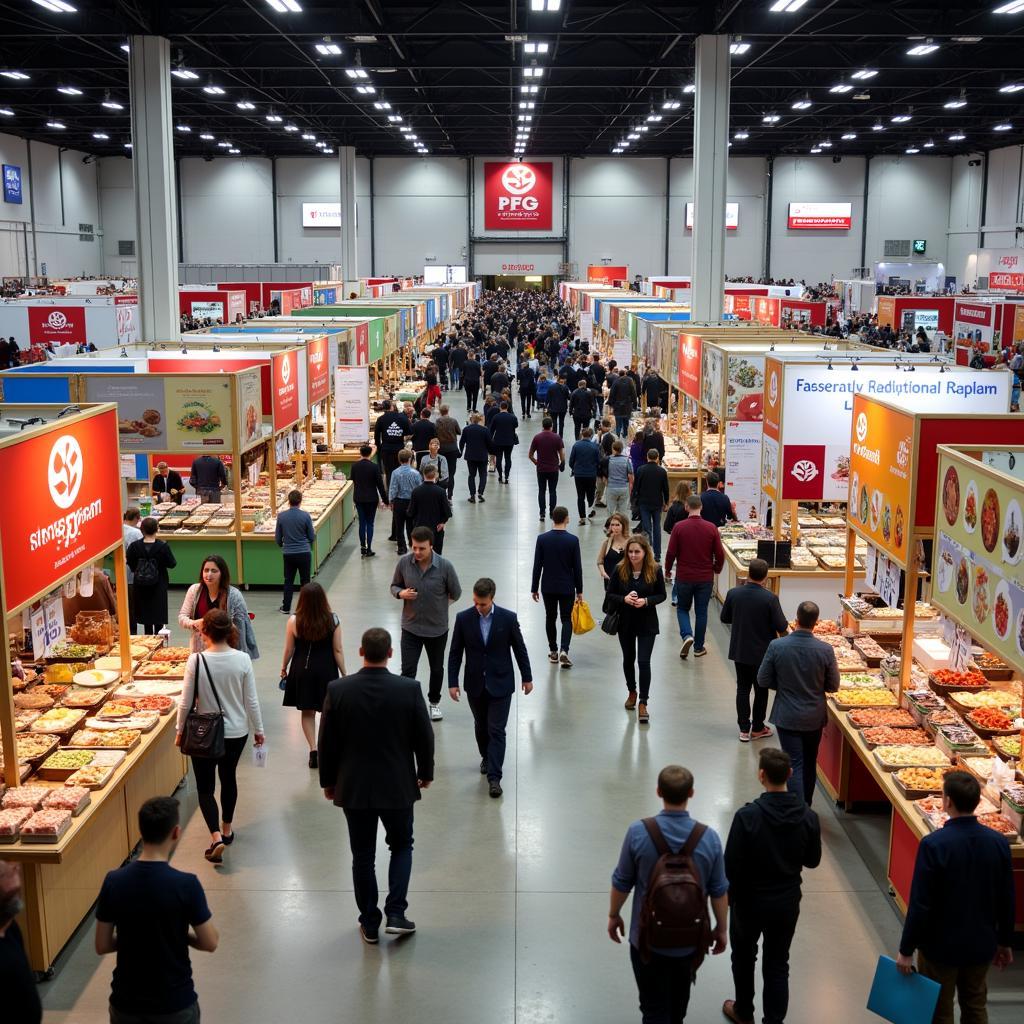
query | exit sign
[920, 245]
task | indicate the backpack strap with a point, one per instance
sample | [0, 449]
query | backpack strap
[696, 833]
[657, 837]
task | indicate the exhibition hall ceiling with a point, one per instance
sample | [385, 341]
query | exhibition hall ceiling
[503, 77]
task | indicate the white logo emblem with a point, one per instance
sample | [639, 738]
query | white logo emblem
[805, 470]
[518, 179]
[903, 452]
[862, 427]
[64, 471]
[286, 370]
[57, 320]
[773, 388]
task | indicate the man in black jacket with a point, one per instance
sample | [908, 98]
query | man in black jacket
[376, 753]
[500, 380]
[389, 434]
[650, 492]
[770, 842]
[622, 399]
[367, 486]
[558, 404]
[581, 406]
[457, 360]
[471, 381]
[429, 506]
[503, 439]
[756, 618]
[475, 446]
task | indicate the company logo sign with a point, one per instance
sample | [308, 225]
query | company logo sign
[804, 470]
[286, 370]
[689, 353]
[12, 184]
[1009, 261]
[64, 471]
[518, 196]
[803, 466]
[820, 216]
[285, 397]
[64, 325]
[773, 387]
[732, 216]
[318, 376]
[1000, 281]
[862, 427]
[979, 314]
[518, 268]
[903, 453]
[321, 215]
[57, 321]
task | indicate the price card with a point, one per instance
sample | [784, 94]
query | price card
[38, 627]
[53, 609]
[889, 581]
[960, 649]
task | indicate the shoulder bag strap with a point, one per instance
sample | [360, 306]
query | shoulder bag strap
[654, 831]
[696, 833]
[209, 676]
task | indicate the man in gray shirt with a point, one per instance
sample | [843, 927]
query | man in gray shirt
[427, 584]
[801, 669]
[295, 535]
[620, 480]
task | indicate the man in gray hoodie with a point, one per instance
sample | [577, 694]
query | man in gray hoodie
[770, 842]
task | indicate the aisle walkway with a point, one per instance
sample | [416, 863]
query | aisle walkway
[510, 896]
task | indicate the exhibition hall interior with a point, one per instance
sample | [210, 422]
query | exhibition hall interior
[513, 511]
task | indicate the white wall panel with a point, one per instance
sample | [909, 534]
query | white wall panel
[964, 215]
[1004, 206]
[814, 256]
[226, 210]
[307, 180]
[117, 213]
[617, 213]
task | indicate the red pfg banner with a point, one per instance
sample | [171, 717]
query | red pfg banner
[59, 325]
[820, 216]
[607, 275]
[518, 197]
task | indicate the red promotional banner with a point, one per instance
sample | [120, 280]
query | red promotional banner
[803, 472]
[73, 473]
[518, 196]
[285, 388]
[607, 275]
[689, 365]
[820, 216]
[362, 344]
[59, 325]
[318, 374]
[999, 281]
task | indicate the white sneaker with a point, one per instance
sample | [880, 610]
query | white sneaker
[687, 644]
[435, 713]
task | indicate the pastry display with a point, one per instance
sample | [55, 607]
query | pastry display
[985, 699]
[142, 721]
[884, 735]
[58, 720]
[901, 755]
[25, 796]
[83, 697]
[67, 760]
[115, 709]
[55, 691]
[162, 705]
[11, 820]
[922, 779]
[93, 776]
[124, 738]
[67, 798]
[24, 719]
[144, 688]
[897, 718]
[69, 651]
[31, 701]
[999, 823]
[170, 654]
[161, 670]
[47, 823]
[862, 697]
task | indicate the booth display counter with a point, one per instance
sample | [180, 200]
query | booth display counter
[85, 741]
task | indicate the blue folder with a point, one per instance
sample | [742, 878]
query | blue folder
[902, 999]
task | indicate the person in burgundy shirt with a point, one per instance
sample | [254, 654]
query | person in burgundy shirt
[547, 453]
[696, 545]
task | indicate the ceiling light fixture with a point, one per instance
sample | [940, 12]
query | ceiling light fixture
[958, 103]
[225, 145]
[111, 104]
[901, 118]
[1011, 87]
[326, 49]
[825, 145]
[848, 136]
[309, 137]
[529, 90]
[617, 149]
[1016, 7]
[126, 48]
[102, 136]
[1002, 127]
[245, 105]
[535, 47]
[878, 127]
[184, 74]
[70, 90]
[633, 136]
[55, 124]
[290, 128]
[56, 6]
[815, 150]
[366, 90]
[357, 73]
[770, 119]
[804, 103]
[235, 152]
[912, 150]
[957, 137]
[929, 145]
[183, 128]
[285, 6]
[17, 76]
[274, 118]
[864, 74]
[923, 49]
[841, 87]
[786, 6]
[526, 117]
[533, 72]
[6, 112]
[213, 90]
[741, 135]
[527, 106]
[671, 105]
[545, 6]
[395, 118]
[127, 145]
[207, 137]
[739, 48]
[689, 88]
[405, 129]
[381, 105]
[653, 118]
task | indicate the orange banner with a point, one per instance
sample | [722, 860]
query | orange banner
[881, 475]
[1018, 323]
[886, 311]
[73, 474]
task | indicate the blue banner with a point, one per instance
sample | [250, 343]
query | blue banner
[12, 184]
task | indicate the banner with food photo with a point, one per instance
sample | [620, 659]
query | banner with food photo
[745, 388]
[979, 521]
[198, 412]
[141, 415]
[250, 408]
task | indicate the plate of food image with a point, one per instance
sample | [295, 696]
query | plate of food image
[990, 520]
[876, 509]
[951, 495]
[887, 521]
[1012, 525]
[971, 508]
[864, 504]
[963, 580]
[981, 601]
[898, 526]
[945, 571]
[1002, 611]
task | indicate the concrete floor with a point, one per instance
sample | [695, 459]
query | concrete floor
[510, 896]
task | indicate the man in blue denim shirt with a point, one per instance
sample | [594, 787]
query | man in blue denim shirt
[664, 983]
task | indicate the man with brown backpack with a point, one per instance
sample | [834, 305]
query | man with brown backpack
[673, 865]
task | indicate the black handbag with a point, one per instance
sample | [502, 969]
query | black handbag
[203, 735]
[610, 623]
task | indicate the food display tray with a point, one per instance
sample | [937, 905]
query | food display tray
[126, 750]
[914, 794]
[886, 766]
[53, 837]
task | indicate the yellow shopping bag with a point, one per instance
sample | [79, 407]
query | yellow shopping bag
[582, 620]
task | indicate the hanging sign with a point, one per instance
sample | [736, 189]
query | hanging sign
[352, 403]
[12, 186]
[820, 216]
[587, 326]
[622, 352]
[285, 388]
[518, 196]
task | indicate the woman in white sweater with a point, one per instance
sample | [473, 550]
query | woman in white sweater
[223, 677]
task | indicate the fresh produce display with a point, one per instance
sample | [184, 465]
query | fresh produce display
[959, 680]
[991, 718]
[862, 697]
[25, 796]
[924, 779]
[882, 735]
[897, 718]
[906, 756]
[1008, 745]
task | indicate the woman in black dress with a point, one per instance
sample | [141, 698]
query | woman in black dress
[149, 559]
[313, 657]
[636, 588]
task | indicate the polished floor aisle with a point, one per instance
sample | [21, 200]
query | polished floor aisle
[510, 895]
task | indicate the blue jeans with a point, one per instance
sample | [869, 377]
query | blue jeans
[699, 595]
[367, 514]
[362, 836]
[650, 523]
[622, 426]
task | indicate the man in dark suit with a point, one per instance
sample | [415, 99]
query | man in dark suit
[376, 754]
[503, 439]
[756, 618]
[489, 636]
[558, 576]
[429, 506]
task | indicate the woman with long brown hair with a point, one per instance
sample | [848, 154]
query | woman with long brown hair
[313, 657]
[214, 591]
[636, 588]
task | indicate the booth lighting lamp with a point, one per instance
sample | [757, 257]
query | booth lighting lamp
[70, 90]
[841, 88]
[102, 136]
[366, 90]
[55, 124]
[1011, 87]
[274, 118]
[56, 6]
[184, 74]
[849, 136]
[207, 137]
[381, 105]
[956, 104]
[770, 119]
[786, 6]
[957, 137]
[671, 105]
[1002, 127]
[802, 104]
[245, 105]
[1017, 7]
[738, 49]
[6, 112]
[328, 49]
[535, 48]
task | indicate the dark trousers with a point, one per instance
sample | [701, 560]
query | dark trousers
[664, 986]
[367, 513]
[362, 837]
[190, 1015]
[412, 646]
[637, 649]
[452, 458]
[472, 396]
[650, 523]
[622, 425]
[389, 462]
[746, 677]
[293, 564]
[968, 984]
[547, 482]
[578, 424]
[774, 925]
[558, 605]
[206, 770]
[151, 628]
[401, 525]
[802, 747]
[133, 622]
[586, 488]
[526, 400]
[557, 422]
[490, 716]
[476, 469]
[503, 452]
